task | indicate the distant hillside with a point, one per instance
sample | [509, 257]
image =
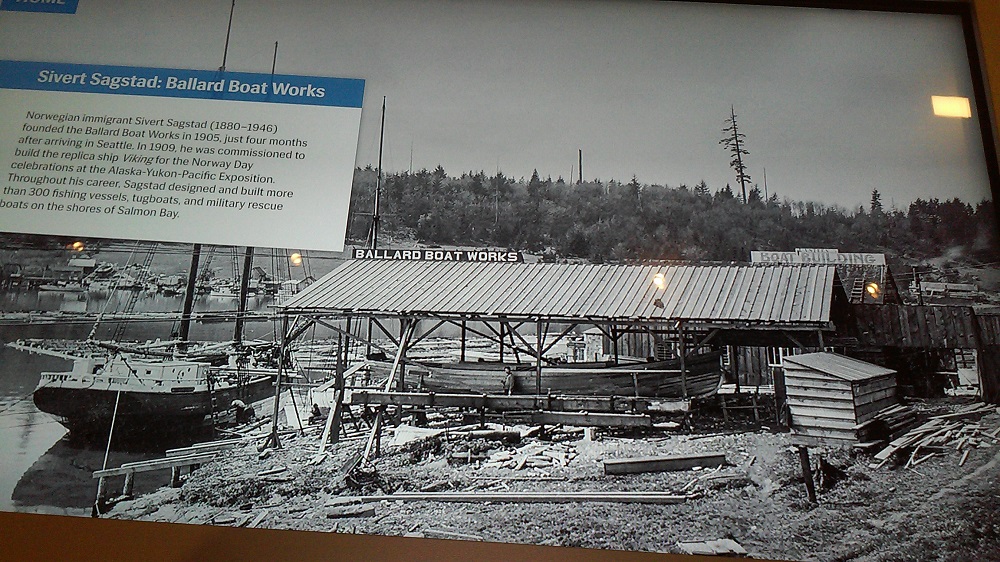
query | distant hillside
[612, 221]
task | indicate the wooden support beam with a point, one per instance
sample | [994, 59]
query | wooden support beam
[662, 498]
[592, 420]
[504, 402]
[663, 464]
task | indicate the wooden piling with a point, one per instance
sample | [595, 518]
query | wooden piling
[807, 473]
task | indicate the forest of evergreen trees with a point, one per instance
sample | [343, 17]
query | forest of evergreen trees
[611, 221]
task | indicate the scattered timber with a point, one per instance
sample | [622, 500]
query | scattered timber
[663, 464]
[953, 431]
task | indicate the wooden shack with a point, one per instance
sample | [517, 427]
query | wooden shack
[830, 395]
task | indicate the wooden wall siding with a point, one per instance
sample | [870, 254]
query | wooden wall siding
[825, 407]
[892, 325]
[872, 396]
[752, 365]
[989, 373]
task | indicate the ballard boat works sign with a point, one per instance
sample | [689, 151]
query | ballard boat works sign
[437, 254]
[817, 255]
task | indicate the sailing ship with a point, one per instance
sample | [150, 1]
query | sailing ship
[145, 400]
[149, 396]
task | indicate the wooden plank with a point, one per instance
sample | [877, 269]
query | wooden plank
[810, 392]
[343, 512]
[875, 385]
[720, 547]
[799, 422]
[840, 405]
[663, 464]
[825, 412]
[662, 498]
[441, 534]
[803, 436]
[819, 383]
[205, 447]
[157, 464]
[876, 396]
[592, 420]
[866, 412]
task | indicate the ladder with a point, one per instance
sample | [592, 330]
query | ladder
[858, 291]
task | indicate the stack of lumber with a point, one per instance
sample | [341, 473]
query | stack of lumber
[887, 424]
[940, 434]
[535, 455]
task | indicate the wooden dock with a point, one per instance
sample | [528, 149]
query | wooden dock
[177, 460]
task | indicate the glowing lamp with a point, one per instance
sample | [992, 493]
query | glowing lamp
[659, 281]
[873, 290]
[295, 258]
[951, 106]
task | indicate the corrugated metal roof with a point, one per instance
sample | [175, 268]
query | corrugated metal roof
[838, 366]
[754, 294]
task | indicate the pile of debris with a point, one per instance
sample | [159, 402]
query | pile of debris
[940, 434]
[534, 455]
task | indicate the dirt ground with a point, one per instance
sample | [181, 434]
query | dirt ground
[937, 510]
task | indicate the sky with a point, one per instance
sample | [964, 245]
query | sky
[833, 103]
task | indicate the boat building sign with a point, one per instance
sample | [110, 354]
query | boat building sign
[438, 254]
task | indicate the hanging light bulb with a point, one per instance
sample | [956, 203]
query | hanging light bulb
[873, 290]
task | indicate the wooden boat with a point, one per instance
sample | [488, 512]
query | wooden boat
[156, 398]
[702, 377]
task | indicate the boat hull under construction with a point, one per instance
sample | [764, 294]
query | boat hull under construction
[158, 402]
[663, 379]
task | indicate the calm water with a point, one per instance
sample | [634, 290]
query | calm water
[40, 471]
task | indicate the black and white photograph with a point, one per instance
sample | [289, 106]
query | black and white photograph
[674, 277]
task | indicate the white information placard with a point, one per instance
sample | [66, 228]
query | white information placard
[177, 155]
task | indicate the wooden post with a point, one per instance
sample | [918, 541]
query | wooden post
[347, 343]
[807, 473]
[538, 358]
[129, 484]
[614, 343]
[277, 382]
[175, 477]
[501, 341]
[736, 366]
[461, 355]
[683, 352]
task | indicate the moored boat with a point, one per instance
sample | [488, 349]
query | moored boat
[155, 399]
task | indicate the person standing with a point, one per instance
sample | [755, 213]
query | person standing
[508, 381]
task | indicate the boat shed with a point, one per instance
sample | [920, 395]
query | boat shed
[829, 395]
[705, 297]
[694, 306]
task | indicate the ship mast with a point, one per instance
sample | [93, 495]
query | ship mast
[191, 288]
[372, 241]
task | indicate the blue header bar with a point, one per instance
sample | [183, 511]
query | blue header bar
[176, 83]
[49, 6]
